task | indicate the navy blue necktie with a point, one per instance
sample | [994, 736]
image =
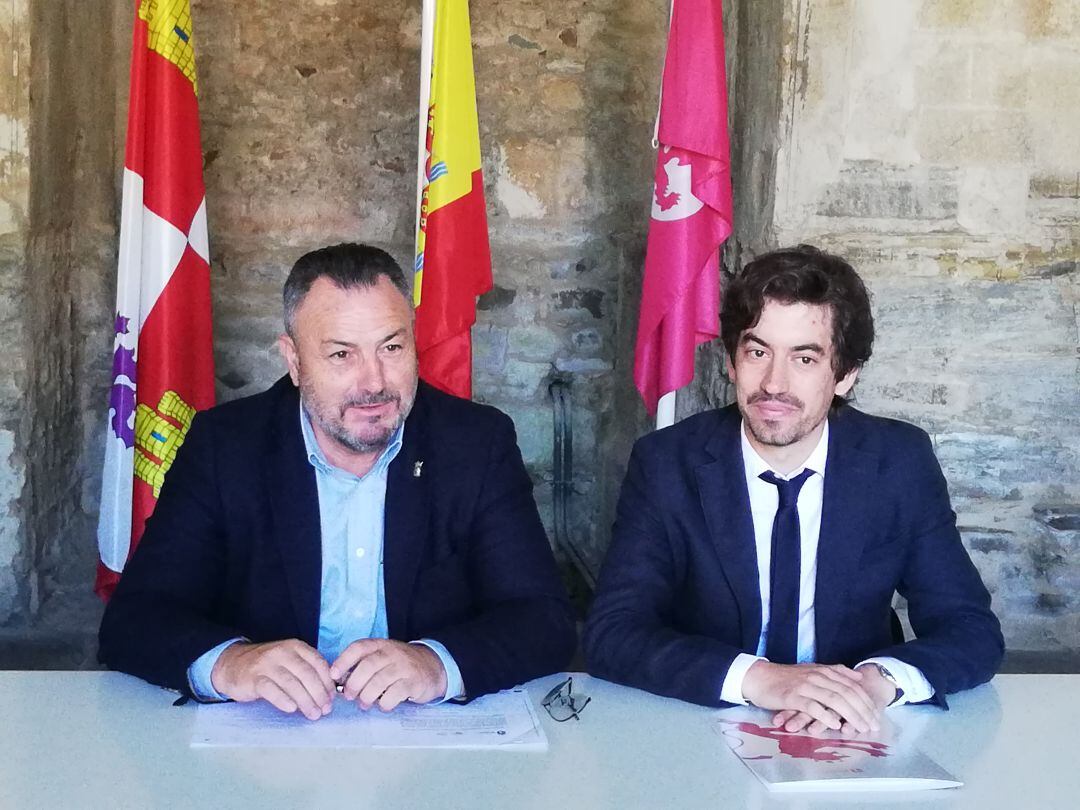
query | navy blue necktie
[782, 640]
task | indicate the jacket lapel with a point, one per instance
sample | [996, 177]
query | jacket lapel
[406, 517]
[726, 504]
[847, 520]
[294, 507]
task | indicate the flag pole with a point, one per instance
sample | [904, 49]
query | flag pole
[665, 410]
[427, 49]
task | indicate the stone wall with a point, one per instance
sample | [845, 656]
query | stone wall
[70, 285]
[936, 145]
[15, 559]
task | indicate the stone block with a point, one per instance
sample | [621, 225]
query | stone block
[538, 178]
[590, 300]
[582, 365]
[972, 15]
[1052, 19]
[871, 190]
[535, 431]
[1053, 91]
[489, 349]
[519, 380]
[586, 341]
[12, 538]
[1050, 184]
[584, 422]
[1000, 76]
[534, 342]
[561, 95]
[986, 465]
[946, 75]
[496, 298]
[993, 200]
[1061, 517]
[964, 136]
[523, 179]
[12, 596]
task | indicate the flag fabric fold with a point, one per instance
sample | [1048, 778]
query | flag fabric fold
[163, 368]
[453, 258]
[691, 212]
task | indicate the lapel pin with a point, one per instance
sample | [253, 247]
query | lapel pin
[416, 468]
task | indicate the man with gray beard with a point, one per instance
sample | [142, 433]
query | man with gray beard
[351, 529]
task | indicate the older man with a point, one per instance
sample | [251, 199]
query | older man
[757, 548]
[350, 528]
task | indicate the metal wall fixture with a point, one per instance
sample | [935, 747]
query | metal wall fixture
[563, 483]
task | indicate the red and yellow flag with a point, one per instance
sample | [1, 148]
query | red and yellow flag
[163, 362]
[453, 258]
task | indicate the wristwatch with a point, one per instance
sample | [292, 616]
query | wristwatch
[890, 678]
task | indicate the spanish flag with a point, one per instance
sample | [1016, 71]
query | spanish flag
[453, 258]
[163, 358]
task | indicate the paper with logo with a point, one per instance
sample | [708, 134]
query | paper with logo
[884, 760]
[506, 721]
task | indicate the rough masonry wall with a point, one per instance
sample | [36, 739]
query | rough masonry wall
[935, 144]
[66, 312]
[14, 204]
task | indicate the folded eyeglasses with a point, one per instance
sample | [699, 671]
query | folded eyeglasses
[560, 703]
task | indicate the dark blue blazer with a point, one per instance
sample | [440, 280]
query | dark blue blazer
[678, 596]
[234, 546]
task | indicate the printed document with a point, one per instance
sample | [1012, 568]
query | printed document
[506, 720]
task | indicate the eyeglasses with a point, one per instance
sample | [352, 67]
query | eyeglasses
[561, 704]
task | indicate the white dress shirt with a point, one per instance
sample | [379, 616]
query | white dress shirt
[764, 500]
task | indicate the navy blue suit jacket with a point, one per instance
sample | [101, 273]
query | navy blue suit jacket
[678, 596]
[234, 546]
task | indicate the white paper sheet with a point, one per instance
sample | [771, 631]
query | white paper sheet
[506, 720]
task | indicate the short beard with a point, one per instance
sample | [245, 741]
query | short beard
[337, 431]
[775, 440]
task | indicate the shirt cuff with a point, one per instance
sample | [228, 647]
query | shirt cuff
[199, 673]
[455, 688]
[731, 691]
[916, 688]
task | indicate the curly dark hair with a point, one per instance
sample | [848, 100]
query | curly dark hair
[808, 275]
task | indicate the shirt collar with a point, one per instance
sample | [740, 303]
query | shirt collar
[755, 465]
[317, 458]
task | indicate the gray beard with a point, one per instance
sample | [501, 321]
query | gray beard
[356, 444]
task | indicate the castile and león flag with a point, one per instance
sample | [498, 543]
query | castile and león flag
[163, 368]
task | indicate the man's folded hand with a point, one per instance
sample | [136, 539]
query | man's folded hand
[287, 674]
[813, 697]
[383, 672]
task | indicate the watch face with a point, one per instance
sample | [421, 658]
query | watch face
[891, 679]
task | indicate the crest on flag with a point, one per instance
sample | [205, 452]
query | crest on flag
[673, 195]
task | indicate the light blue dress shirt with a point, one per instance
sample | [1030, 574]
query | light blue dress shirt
[352, 512]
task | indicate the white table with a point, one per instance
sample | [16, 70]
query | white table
[93, 739]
